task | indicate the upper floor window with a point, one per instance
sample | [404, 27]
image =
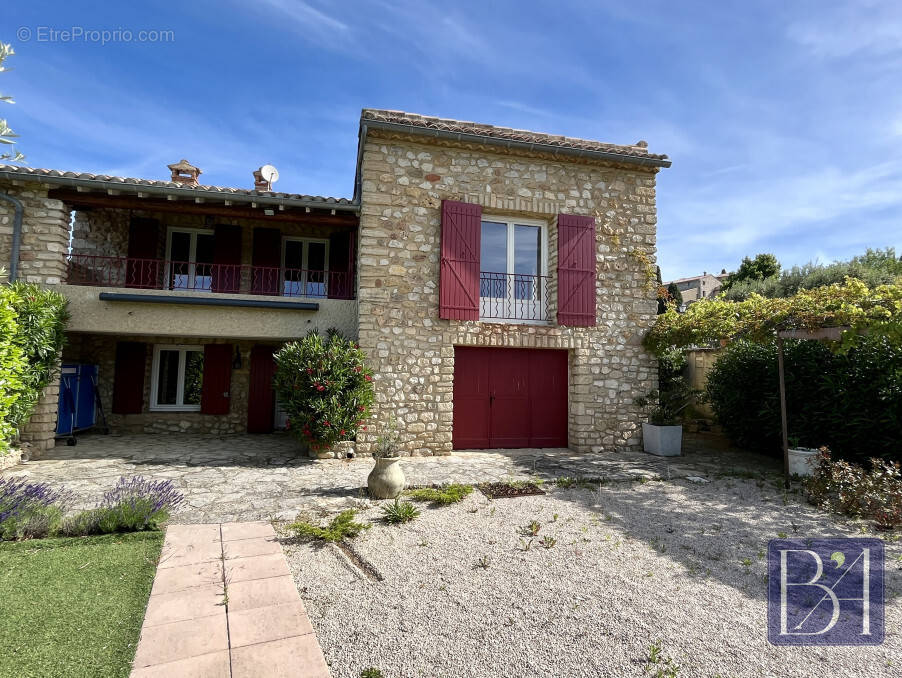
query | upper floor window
[190, 253]
[305, 266]
[513, 270]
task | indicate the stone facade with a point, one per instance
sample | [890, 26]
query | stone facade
[45, 241]
[412, 350]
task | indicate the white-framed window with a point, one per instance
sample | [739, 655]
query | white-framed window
[305, 266]
[190, 253]
[177, 377]
[513, 269]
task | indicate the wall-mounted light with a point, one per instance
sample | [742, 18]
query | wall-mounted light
[236, 361]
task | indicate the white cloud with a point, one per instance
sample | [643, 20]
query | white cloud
[873, 26]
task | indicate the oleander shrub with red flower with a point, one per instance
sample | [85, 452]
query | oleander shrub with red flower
[324, 385]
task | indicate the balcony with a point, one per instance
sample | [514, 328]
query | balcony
[161, 274]
[513, 297]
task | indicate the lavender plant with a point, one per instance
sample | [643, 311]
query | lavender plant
[134, 504]
[30, 510]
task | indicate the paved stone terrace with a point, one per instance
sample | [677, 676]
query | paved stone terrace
[263, 477]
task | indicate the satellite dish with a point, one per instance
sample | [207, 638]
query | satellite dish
[269, 173]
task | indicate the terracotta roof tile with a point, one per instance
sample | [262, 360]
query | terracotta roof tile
[639, 150]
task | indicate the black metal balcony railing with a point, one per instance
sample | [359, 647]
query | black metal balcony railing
[513, 296]
[162, 274]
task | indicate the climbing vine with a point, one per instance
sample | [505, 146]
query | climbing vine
[637, 254]
[850, 304]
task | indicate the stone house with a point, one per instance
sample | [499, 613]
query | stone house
[704, 286]
[499, 281]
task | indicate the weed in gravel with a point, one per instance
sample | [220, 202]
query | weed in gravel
[554, 518]
[341, 527]
[532, 529]
[747, 562]
[782, 535]
[423, 542]
[658, 665]
[399, 512]
[524, 545]
[548, 541]
[372, 672]
[483, 563]
[447, 494]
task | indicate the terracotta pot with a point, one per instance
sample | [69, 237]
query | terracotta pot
[386, 480]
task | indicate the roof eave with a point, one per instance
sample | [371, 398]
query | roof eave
[533, 147]
[180, 192]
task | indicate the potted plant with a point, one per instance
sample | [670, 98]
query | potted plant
[662, 434]
[386, 480]
[801, 459]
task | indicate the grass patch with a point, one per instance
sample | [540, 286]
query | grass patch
[444, 495]
[342, 526]
[399, 512]
[74, 607]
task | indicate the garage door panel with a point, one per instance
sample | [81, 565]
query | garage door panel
[509, 398]
[471, 400]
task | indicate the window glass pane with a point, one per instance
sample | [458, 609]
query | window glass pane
[294, 254]
[180, 246]
[527, 260]
[493, 260]
[167, 379]
[194, 376]
[316, 265]
[204, 251]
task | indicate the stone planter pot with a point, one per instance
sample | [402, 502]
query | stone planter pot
[663, 441]
[798, 460]
[386, 480]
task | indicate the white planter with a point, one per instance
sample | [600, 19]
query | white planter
[798, 460]
[386, 480]
[664, 441]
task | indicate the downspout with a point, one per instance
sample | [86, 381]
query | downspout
[358, 177]
[17, 235]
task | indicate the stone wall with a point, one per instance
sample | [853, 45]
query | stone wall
[101, 350]
[412, 350]
[42, 260]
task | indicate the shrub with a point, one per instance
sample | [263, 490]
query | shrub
[341, 527]
[852, 490]
[399, 512]
[325, 387]
[135, 504]
[447, 494]
[850, 402]
[30, 510]
[12, 367]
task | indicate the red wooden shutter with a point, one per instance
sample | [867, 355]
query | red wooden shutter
[459, 275]
[341, 265]
[214, 397]
[142, 268]
[576, 270]
[260, 398]
[128, 377]
[267, 258]
[226, 272]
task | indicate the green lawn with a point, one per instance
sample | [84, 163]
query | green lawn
[74, 607]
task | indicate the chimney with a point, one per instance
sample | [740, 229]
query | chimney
[261, 184]
[183, 172]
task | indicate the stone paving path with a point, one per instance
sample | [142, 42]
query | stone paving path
[262, 477]
[224, 605]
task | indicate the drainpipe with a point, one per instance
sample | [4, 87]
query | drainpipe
[17, 235]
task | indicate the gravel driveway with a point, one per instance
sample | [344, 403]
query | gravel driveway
[677, 564]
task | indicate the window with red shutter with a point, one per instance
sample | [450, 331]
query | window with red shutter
[459, 273]
[226, 271]
[128, 377]
[143, 267]
[215, 396]
[576, 270]
[267, 257]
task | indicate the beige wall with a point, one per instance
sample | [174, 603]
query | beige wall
[698, 363]
[89, 314]
[412, 349]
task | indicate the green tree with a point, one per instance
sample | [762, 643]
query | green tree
[675, 294]
[7, 136]
[763, 266]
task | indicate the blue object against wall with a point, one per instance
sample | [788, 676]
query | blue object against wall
[76, 410]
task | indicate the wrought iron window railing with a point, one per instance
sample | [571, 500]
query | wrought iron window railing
[513, 296]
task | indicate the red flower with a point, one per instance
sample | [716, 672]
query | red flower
[326, 422]
[369, 378]
[342, 432]
[309, 371]
[320, 387]
[364, 428]
[360, 408]
[358, 368]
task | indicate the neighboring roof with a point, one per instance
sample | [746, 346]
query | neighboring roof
[719, 276]
[537, 141]
[129, 184]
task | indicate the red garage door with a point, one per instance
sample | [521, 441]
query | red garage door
[509, 397]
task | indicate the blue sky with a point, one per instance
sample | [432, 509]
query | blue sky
[783, 120]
